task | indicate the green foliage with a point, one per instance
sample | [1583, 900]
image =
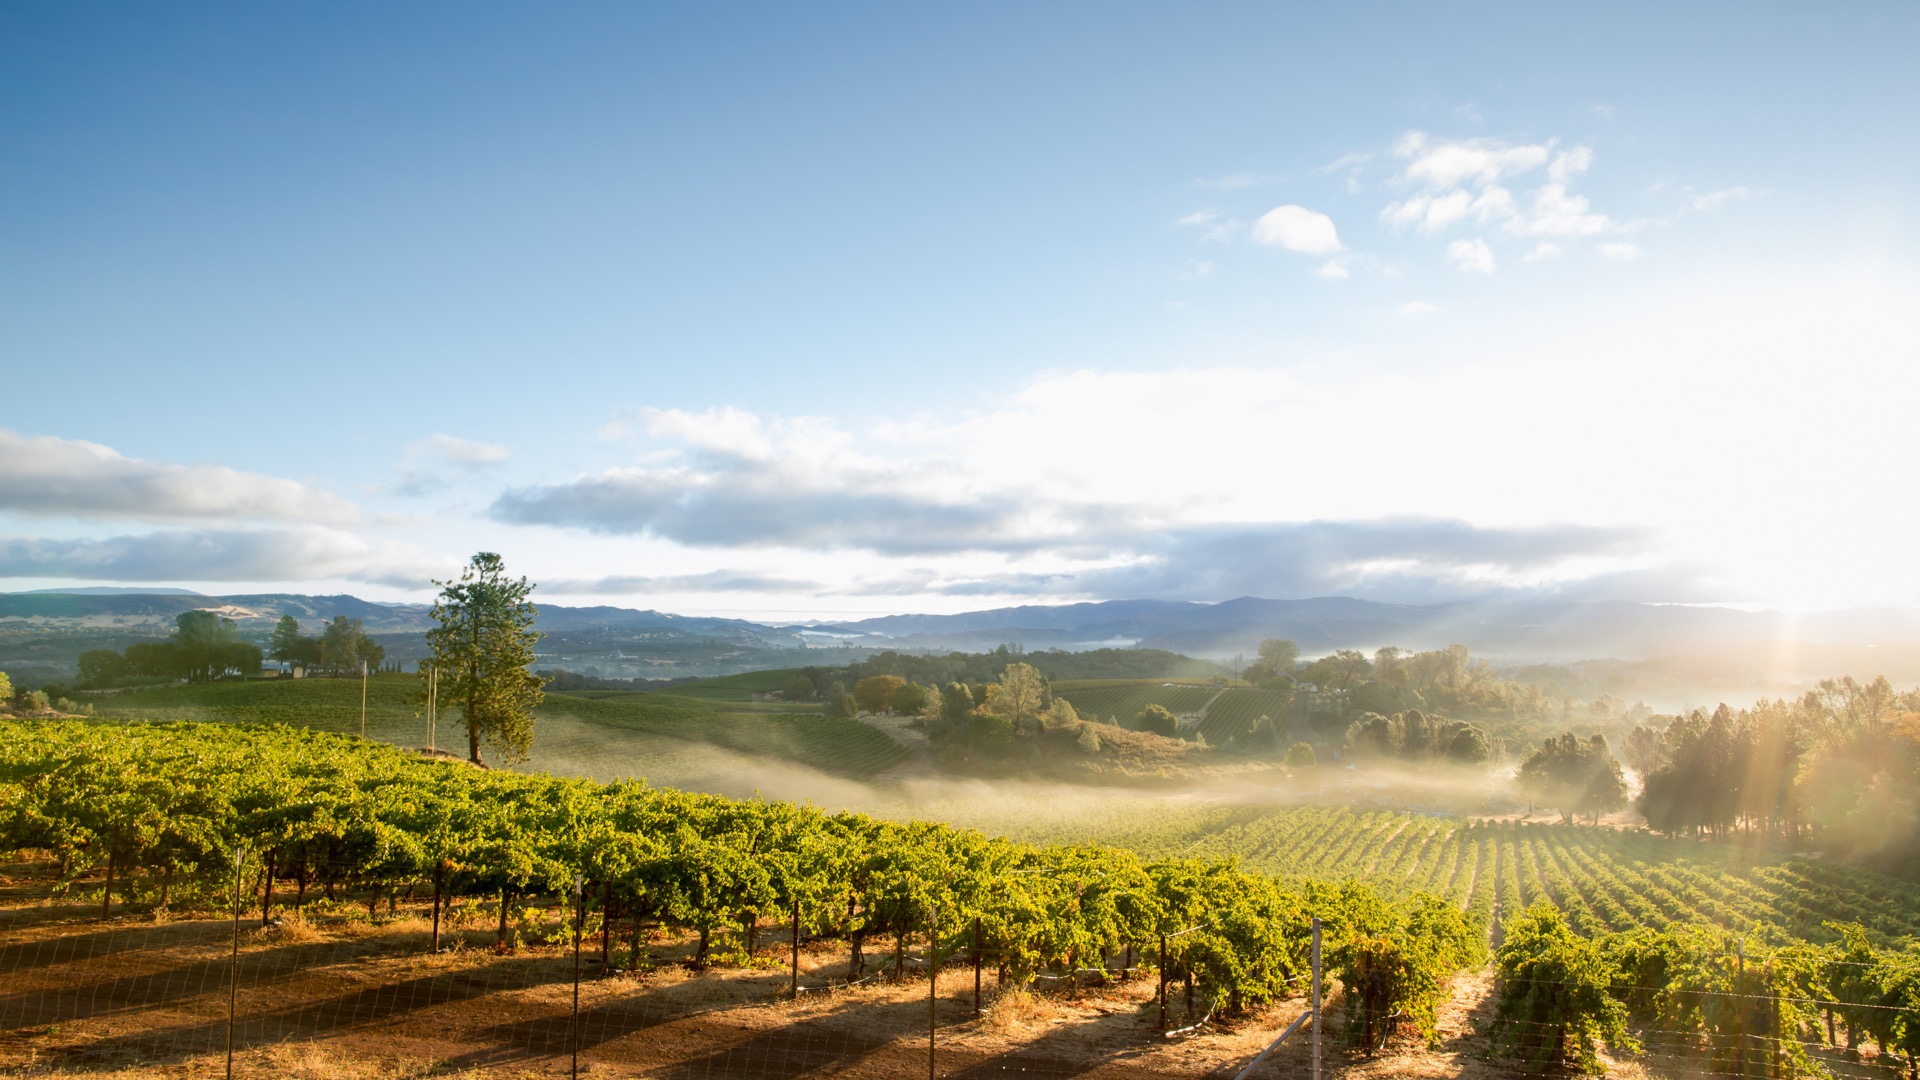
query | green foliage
[874, 694]
[483, 650]
[1394, 959]
[1019, 695]
[797, 688]
[1089, 739]
[1556, 1002]
[175, 802]
[1276, 662]
[204, 647]
[1159, 721]
[100, 667]
[1052, 664]
[836, 703]
[1575, 776]
[1300, 756]
[909, 699]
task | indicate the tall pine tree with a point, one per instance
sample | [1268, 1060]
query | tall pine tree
[483, 649]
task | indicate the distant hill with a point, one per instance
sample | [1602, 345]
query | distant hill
[1773, 651]
[133, 609]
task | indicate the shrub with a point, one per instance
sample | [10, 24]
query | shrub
[1157, 719]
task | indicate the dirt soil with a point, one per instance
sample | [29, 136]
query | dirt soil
[343, 996]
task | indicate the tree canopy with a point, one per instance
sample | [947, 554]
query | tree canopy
[483, 649]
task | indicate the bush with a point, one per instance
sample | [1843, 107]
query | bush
[1300, 756]
[1157, 719]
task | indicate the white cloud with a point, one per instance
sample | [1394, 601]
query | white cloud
[1448, 163]
[451, 450]
[1414, 308]
[1545, 249]
[1569, 163]
[1713, 200]
[1471, 256]
[1332, 271]
[1214, 228]
[1470, 182]
[1031, 494]
[1197, 269]
[1620, 252]
[1344, 161]
[1554, 212]
[1434, 213]
[53, 477]
[1297, 228]
[301, 554]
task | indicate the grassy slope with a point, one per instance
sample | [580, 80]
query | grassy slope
[598, 733]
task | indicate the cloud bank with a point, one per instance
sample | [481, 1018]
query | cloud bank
[47, 476]
[305, 554]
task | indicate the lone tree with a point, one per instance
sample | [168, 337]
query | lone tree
[483, 649]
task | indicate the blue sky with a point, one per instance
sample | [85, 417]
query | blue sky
[881, 308]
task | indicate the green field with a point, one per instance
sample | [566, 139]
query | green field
[666, 738]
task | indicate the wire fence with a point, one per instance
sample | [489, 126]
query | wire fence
[352, 985]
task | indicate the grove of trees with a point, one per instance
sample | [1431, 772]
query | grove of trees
[204, 646]
[342, 648]
[1575, 776]
[1837, 768]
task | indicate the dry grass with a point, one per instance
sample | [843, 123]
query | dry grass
[1018, 1012]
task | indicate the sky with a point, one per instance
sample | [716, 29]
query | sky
[813, 311]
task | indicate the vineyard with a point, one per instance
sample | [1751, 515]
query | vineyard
[1718, 954]
[1604, 879]
[1122, 701]
[175, 814]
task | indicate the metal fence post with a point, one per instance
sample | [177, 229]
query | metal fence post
[1162, 995]
[579, 931]
[1316, 997]
[976, 965]
[233, 963]
[933, 978]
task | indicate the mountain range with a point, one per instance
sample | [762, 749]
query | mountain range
[1514, 630]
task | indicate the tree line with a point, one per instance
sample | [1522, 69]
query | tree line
[342, 647]
[829, 684]
[1837, 768]
[203, 647]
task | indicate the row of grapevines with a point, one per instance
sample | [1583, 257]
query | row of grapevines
[171, 806]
